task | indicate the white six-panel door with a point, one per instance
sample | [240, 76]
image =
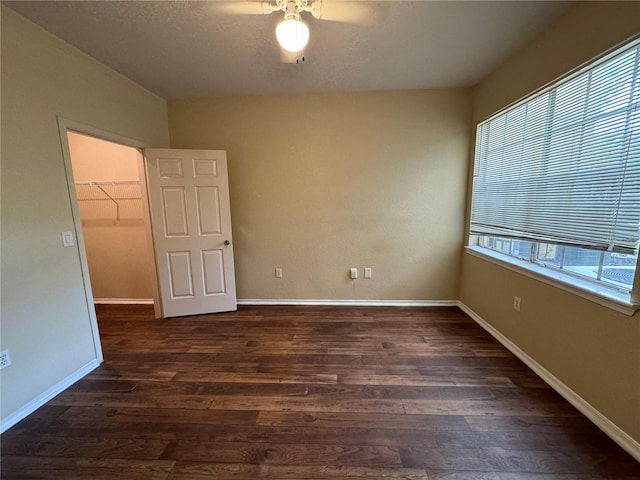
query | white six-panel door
[191, 224]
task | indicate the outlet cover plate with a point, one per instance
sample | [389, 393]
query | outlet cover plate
[516, 303]
[5, 359]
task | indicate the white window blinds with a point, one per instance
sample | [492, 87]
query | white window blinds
[563, 166]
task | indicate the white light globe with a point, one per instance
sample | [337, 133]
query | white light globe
[292, 35]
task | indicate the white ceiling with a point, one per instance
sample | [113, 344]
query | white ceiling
[190, 49]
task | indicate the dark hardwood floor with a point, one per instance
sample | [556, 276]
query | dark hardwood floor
[308, 393]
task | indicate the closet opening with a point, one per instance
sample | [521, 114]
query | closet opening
[109, 182]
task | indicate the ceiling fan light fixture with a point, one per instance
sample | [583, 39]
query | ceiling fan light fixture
[292, 34]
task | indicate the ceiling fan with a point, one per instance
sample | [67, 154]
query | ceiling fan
[292, 32]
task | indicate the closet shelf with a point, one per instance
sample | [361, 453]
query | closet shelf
[110, 182]
[113, 191]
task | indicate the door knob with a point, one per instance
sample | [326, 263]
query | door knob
[227, 243]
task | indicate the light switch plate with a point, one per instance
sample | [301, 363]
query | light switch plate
[67, 239]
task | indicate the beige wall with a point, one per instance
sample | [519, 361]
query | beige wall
[322, 183]
[592, 349]
[319, 183]
[115, 237]
[45, 320]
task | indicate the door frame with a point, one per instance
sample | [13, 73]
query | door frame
[65, 126]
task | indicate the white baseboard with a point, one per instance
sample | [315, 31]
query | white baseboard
[348, 303]
[123, 301]
[607, 426]
[10, 420]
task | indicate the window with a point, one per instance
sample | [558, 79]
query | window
[557, 178]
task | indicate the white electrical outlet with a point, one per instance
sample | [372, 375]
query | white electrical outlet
[5, 359]
[368, 272]
[516, 303]
[354, 273]
[278, 273]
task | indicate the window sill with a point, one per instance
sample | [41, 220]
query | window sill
[601, 295]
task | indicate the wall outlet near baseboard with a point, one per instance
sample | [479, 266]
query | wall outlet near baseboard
[5, 359]
[516, 303]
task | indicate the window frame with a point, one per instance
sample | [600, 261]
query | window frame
[596, 291]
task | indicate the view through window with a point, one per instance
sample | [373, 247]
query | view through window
[557, 176]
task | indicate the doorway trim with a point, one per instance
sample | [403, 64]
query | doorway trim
[64, 126]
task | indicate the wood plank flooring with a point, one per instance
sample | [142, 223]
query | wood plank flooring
[308, 393]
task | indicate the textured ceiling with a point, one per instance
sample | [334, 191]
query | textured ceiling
[190, 49]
